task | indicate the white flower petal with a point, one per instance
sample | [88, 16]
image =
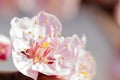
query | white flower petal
[24, 65]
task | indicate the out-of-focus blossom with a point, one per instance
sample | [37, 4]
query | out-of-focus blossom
[8, 7]
[39, 47]
[5, 47]
[29, 7]
[62, 8]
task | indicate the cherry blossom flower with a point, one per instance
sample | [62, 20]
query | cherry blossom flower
[33, 41]
[5, 47]
[80, 62]
[38, 47]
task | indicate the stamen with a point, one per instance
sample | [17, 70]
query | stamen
[50, 34]
[46, 21]
[83, 66]
[36, 59]
[40, 37]
[30, 32]
[63, 57]
[66, 45]
[59, 35]
[56, 42]
[85, 74]
[36, 22]
[46, 61]
[45, 44]
[25, 50]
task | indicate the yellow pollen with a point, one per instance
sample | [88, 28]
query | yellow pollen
[46, 21]
[30, 32]
[66, 45]
[45, 44]
[40, 37]
[59, 35]
[25, 49]
[63, 57]
[36, 59]
[56, 42]
[85, 74]
[46, 61]
[50, 34]
[36, 22]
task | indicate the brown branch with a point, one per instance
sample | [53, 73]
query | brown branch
[13, 76]
[44, 77]
[18, 76]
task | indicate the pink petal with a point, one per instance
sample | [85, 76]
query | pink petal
[24, 65]
[51, 22]
[5, 47]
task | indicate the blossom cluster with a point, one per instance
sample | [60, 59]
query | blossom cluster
[38, 47]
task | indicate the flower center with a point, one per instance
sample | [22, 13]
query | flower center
[45, 45]
[40, 53]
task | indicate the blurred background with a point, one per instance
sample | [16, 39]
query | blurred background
[99, 20]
